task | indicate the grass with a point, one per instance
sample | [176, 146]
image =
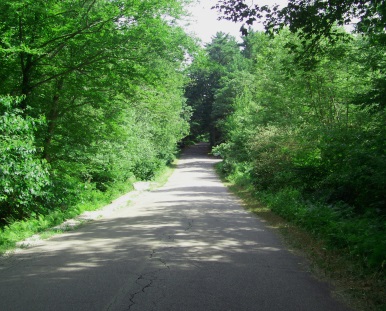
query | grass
[18, 231]
[354, 284]
[162, 176]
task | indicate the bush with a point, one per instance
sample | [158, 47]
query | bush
[362, 236]
[24, 177]
[356, 161]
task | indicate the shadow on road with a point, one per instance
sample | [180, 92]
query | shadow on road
[187, 246]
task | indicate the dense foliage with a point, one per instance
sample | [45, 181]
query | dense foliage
[91, 96]
[23, 174]
[309, 139]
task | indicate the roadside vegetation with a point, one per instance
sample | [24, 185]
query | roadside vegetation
[298, 116]
[353, 283]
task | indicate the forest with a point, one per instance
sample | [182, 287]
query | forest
[95, 95]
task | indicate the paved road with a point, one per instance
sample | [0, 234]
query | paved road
[187, 246]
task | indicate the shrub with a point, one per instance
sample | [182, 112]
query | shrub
[24, 176]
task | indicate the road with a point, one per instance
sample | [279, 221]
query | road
[186, 246]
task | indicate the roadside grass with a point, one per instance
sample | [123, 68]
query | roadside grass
[162, 175]
[22, 229]
[354, 283]
[43, 225]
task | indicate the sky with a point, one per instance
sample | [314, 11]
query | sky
[204, 22]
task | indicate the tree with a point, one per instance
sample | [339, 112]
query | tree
[312, 21]
[106, 79]
[292, 126]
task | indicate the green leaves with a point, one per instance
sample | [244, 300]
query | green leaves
[106, 76]
[303, 127]
[24, 178]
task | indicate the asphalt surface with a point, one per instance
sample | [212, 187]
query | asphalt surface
[186, 246]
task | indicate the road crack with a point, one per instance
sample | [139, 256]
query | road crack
[148, 284]
[147, 280]
[190, 224]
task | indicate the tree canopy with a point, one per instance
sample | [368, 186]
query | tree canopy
[312, 18]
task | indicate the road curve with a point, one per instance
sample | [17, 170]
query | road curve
[188, 246]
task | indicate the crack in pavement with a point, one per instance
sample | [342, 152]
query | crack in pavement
[144, 287]
[149, 277]
[168, 237]
[190, 225]
[143, 282]
[152, 256]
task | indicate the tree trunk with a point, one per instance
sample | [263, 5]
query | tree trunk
[52, 117]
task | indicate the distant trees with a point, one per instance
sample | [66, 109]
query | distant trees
[104, 79]
[207, 78]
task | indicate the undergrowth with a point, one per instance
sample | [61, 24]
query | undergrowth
[346, 248]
